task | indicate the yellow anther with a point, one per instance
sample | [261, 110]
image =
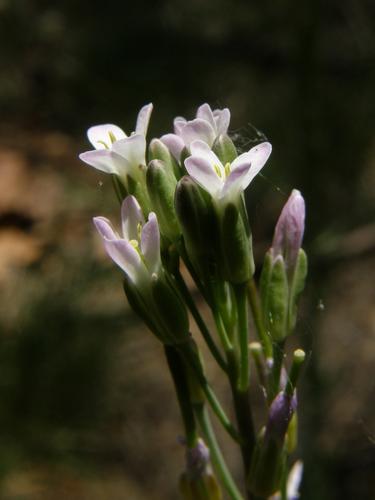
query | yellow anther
[103, 143]
[112, 137]
[227, 169]
[218, 170]
[134, 244]
[139, 230]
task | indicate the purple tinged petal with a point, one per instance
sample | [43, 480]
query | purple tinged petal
[197, 129]
[143, 119]
[236, 180]
[279, 415]
[174, 143]
[178, 123]
[120, 250]
[202, 149]
[289, 229]
[102, 133]
[201, 170]
[105, 160]
[131, 217]
[150, 244]
[133, 149]
[205, 113]
[222, 120]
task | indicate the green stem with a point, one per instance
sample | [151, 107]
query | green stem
[224, 339]
[278, 358]
[192, 359]
[255, 306]
[199, 320]
[176, 367]
[243, 337]
[216, 455]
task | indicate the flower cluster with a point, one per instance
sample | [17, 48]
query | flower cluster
[182, 201]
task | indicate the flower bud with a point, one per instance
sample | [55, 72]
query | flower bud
[236, 246]
[198, 481]
[269, 456]
[225, 149]
[161, 185]
[289, 230]
[159, 151]
[199, 224]
[274, 292]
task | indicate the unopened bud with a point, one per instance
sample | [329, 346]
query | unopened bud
[159, 151]
[289, 230]
[225, 149]
[161, 185]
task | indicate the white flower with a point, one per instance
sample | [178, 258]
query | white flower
[115, 152]
[137, 251]
[206, 127]
[225, 181]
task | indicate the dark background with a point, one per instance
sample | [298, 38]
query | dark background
[87, 409]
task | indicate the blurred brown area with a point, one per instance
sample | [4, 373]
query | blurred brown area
[87, 408]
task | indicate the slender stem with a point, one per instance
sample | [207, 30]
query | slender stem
[199, 320]
[278, 358]
[226, 343]
[243, 337]
[253, 298]
[216, 455]
[176, 368]
[192, 359]
[243, 412]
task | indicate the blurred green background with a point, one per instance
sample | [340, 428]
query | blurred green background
[87, 410]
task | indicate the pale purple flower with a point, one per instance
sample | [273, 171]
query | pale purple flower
[206, 127]
[115, 152]
[293, 483]
[289, 230]
[225, 181]
[137, 250]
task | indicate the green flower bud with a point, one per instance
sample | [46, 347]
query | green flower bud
[236, 246]
[296, 287]
[274, 295]
[161, 185]
[159, 151]
[138, 189]
[225, 149]
[199, 224]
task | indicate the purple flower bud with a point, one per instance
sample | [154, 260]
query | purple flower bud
[197, 459]
[289, 229]
[280, 414]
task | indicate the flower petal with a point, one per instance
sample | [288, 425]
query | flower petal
[197, 129]
[178, 123]
[104, 160]
[236, 180]
[150, 244]
[133, 149]
[222, 119]
[201, 170]
[174, 143]
[202, 149]
[120, 251]
[205, 113]
[100, 134]
[257, 156]
[143, 119]
[131, 216]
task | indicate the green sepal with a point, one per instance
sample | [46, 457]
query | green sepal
[225, 149]
[266, 467]
[236, 246]
[276, 301]
[199, 223]
[161, 185]
[159, 151]
[292, 434]
[185, 153]
[265, 277]
[143, 310]
[119, 187]
[137, 188]
[296, 288]
[171, 309]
